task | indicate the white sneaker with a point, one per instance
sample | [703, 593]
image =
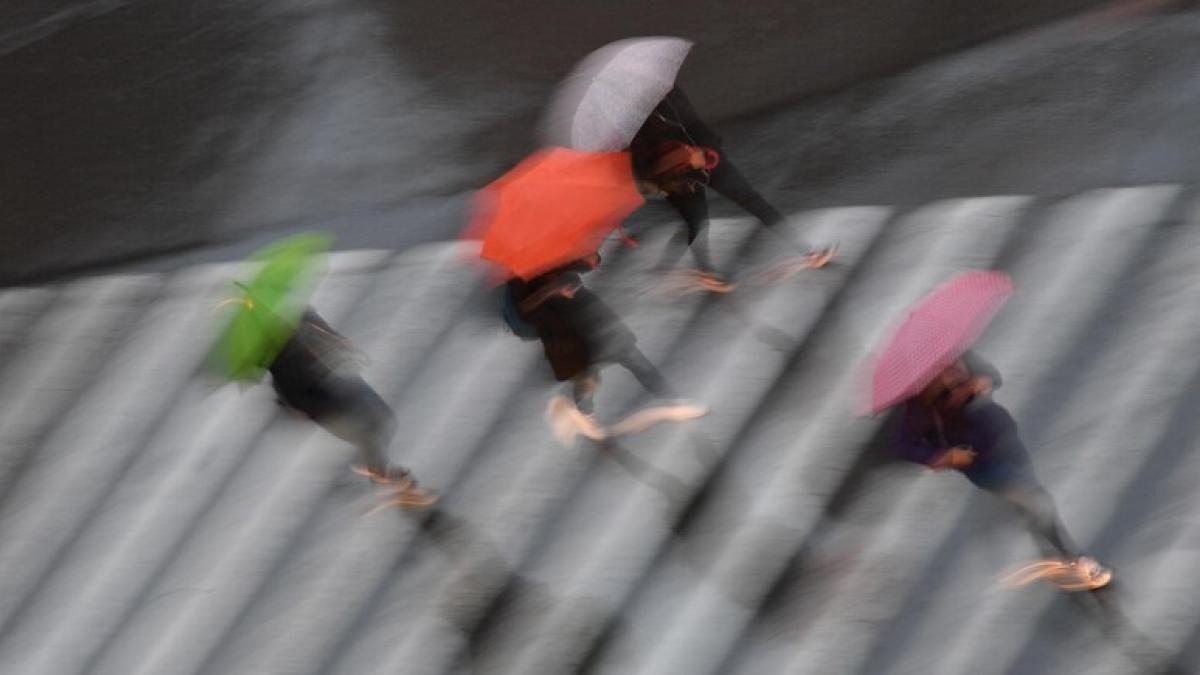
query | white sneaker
[1080, 574]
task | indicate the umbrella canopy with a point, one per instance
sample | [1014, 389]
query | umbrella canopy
[268, 308]
[937, 330]
[555, 207]
[608, 96]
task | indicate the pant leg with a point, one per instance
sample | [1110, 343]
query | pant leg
[693, 207]
[1037, 506]
[647, 375]
[362, 418]
[730, 182]
[583, 390]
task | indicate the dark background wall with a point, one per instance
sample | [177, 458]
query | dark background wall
[135, 128]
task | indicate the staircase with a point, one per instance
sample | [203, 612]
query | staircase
[152, 522]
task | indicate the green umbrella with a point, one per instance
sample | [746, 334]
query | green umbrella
[269, 307]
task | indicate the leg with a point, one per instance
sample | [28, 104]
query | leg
[372, 426]
[362, 419]
[727, 180]
[654, 382]
[647, 375]
[1037, 506]
[1067, 569]
[380, 430]
[584, 391]
[693, 207]
[569, 419]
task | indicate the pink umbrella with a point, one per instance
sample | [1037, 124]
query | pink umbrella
[937, 331]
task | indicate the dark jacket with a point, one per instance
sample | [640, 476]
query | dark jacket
[673, 120]
[577, 333]
[313, 354]
[983, 425]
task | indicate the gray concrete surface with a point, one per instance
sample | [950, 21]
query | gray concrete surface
[155, 523]
[151, 522]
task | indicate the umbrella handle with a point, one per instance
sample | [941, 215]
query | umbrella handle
[229, 301]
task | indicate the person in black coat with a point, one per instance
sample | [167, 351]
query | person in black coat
[955, 424]
[674, 122]
[316, 375]
[580, 334]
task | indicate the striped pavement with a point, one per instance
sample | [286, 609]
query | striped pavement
[154, 522]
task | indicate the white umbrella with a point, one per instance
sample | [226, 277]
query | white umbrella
[609, 95]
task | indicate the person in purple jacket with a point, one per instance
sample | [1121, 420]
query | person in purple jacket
[954, 424]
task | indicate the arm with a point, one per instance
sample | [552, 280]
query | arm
[910, 445]
[913, 447]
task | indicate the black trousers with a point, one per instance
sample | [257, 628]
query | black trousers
[347, 407]
[652, 380]
[693, 206]
[1037, 507]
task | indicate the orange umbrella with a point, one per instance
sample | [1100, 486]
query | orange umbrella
[555, 207]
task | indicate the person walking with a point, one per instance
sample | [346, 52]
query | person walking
[316, 374]
[953, 424]
[677, 155]
[580, 334]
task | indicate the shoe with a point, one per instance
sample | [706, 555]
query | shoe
[1084, 574]
[1080, 574]
[397, 477]
[820, 257]
[407, 495]
[400, 488]
[412, 496]
[679, 283]
[714, 283]
[671, 411]
[783, 270]
[368, 472]
[567, 421]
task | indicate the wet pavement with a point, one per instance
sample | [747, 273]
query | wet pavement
[151, 523]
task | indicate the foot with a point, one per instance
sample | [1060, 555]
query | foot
[406, 495]
[683, 282]
[680, 409]
[786, 269]
[409, 495]
[820, 257]
[567, 421]
[390, 475]
[1081, 574]
[401, 488]
[1084, 574]
[714, 283]
[670, 411]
